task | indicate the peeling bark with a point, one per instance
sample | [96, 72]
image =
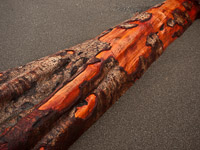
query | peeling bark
[50, 102]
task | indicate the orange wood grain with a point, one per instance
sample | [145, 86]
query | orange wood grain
[65, 96]
[81, 99]
[84, 111]
[127, 45]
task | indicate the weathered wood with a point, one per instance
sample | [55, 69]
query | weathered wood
[49, 103]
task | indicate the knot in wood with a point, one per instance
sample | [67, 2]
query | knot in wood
[128, 25]
[142, 17]
[188, 6]
[179, 17]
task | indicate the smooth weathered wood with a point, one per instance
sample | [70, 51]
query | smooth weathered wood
[49, 103]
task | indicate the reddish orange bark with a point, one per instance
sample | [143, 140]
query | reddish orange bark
[86, 110]
[126, 48]
[72, 91]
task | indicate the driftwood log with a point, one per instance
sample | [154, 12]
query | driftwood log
[50, 102]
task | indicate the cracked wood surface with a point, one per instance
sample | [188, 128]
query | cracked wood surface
[49, 103]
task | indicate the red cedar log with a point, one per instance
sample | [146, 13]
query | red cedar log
[50, 102]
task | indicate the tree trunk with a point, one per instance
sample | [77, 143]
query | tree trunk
[50, 102]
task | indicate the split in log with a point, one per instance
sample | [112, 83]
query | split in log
[49, 103]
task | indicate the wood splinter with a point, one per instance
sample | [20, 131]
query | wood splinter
[50, 102]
